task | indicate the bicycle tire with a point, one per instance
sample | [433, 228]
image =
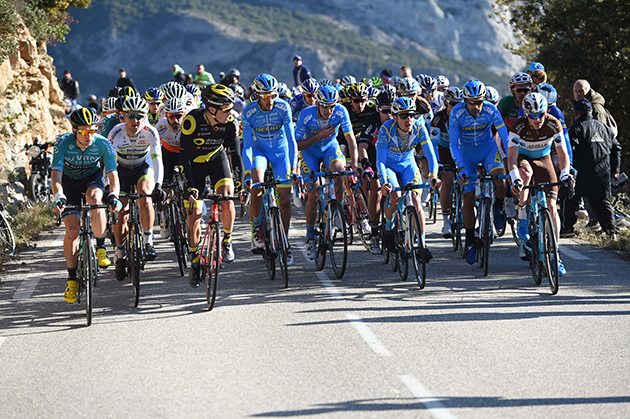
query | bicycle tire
[88, 278]
[213, 267]
[268, 252]
[320, 242]
[403, 256]
[281, 245]
[134, 261]
[534, 258]
[433, 210]
[418, 264]
[183, 235]
[453, 216]
[338, 238]
[512, 222]
[7, 239]
[175, 236]
[361, 213]
[350, 223]
[550, 247]
[486, 236]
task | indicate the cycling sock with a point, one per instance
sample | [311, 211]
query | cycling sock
[195, 254]
[374, 228]
[522, 214]
[100, 242]
[424, 242]
[148, 237]
[72, 273]
[446, 216]
[257, 221]
[251, 229]
[310, 232]
[227, 235]
[389, 223]
[470, 236]
[120, 251]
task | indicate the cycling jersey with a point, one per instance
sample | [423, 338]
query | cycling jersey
[80, 164]
[439, 136]
[107, 123]
[297, 105]
[266, 133]
[392, 152]
[466, 131]
[508, 109]
[536, 143]
[553, 110]
[168, 138]
[369, 135]
[357, 119]
[131, 152]
[153, 118]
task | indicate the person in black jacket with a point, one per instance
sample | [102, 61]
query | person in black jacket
[124, 80]
[596, 155]
[69, 86]
[300, 71]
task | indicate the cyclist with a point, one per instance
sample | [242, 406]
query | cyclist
[471, 142]
[205, 131]
[529, 156]
[106, 124]
[367, 156]
[439, 134]
[304, 99]
[358, 110]
[430, 93]
[268, 138]
[77, 169]
[520, 86]
[154, 97]
[316, 132]
[138, 154]
[443, 83]
[169, 129]
[398, 139]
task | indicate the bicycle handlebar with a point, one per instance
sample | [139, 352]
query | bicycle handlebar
[411, 187]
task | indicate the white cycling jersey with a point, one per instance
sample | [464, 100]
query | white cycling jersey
[168, 137]
[131, 152]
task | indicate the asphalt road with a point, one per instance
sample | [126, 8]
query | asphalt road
[367, 345]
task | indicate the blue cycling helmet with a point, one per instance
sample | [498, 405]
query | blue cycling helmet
[403, 104]
[492, 94]
[474, 89]
[408, 86]
[153, 94]
[310, 86]
[548, 91]
[325, 82]
[428, 83]
[337, 86]
[193, 89]
[373, 92]
[534, 103]
[327, 95]
[264, 83]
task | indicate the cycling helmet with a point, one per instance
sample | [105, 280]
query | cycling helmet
[153, 94]
[343, 93]
[376, 81]
[358, 90]
[428, 82]
[453, 95]
[372, 92]
[548, 91]
[110, 104]
[534, 103]
[327, 95]
[83, 117]
[348, 80]
[395, 81]
[322, 82]
[492, 95]
[189, 99]
[174, 89]
[234, 72]
[128, 91]
[264, 83]
[403, 104]
[389, 87]
[474, 89]
[175, 105]
[338, 87]
[520, 79]
[386, 97]
[419, 78]
[217, 95]
[193, 89]
[408, 85]
[119, 103]
[283, 89]
[366, 81]
[114, 92]
[135, 104]
[311, 85]
[237, 89]
[442, 82]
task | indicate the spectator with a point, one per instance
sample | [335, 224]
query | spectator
[179, 75]
[582, 90]
[203, 78]
[386, 76]
[93, 103]
[69, 86]
[231, 78]
[405, 71]
[300, 71]
[124, 80]
[596, 154]
[538, 76]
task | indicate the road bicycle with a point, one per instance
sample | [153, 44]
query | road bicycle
[275, 238]
[457, 218]
[135, 244]
[210, 258]
[355, 206]
[7, 239]
[175, 220]
[331, 233]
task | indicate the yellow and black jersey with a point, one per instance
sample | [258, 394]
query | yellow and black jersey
[200, 139]
[357, 119]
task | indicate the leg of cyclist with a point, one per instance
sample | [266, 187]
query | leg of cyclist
[391, 181]
[447, 186]
[526, 173]
[71, 253]
[228, 214]
[145, 185]
[94, 196]
[310, 164]
[494, 166]
[255, 206]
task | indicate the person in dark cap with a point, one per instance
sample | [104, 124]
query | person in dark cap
[124, 80]
[597, 158]
[69, 86]
[386, 75]
[300, 71]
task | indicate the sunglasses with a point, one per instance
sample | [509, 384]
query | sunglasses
[359, 100]
[405, 115]
[134, 115]
[327, 106]
[86, 131]
[428, 91]
[474, 102]
[385, 111]
[267, 96]
[226, 110]
[524, 90]
[310, 95]
[155, 103]
[536, 115]
[175, 115]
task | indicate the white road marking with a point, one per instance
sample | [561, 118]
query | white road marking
[27, 287]
[433, 405]
[2, 341]
[573, 254]
[327, 283]
[368, 336]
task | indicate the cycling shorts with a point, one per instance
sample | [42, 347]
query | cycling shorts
[407, 171]
[487, 154]
[312, 158]
[543, 171]
[75, 188]
[278, 159]
[445, 157]
[131, 177]
[169, 161]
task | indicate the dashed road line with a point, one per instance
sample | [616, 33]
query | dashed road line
[573, 254]
[422, 393]
[2, 341]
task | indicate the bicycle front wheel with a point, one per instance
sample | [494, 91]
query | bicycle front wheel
[281, 245]
[486, 235]
[550, 247]
[135, 259]
[7, 240]
[213, 266]
[360, 214]
[415, 245]
[86, 284]
[338, 238]
[535, 262]
[403, 255]
[269, 249]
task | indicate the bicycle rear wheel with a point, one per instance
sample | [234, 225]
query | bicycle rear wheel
[338, 239]
[403, 255]
[268, 250]
[415, 246]
[550, 247]
[281, 245]
[135, 259]
[350, 221]
[434, 201]
[361, 213]
[453, 216]
[7, 240]
[213, 266]
[535, 263]
[174, 224]
[486, 236]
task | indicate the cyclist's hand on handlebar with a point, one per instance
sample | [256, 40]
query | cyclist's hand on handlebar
[245, 197]
[60, 203]
[114, 203]
[517, 185]
[192, 194]
[159, 195]
[386, 188]
[463, 177]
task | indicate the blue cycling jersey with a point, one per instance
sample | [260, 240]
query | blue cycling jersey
[309, 124]
[391, 149]
[107, 123]
[80, 164]
[555, 111]
[466, 130]
[297, 105]
[270, 130]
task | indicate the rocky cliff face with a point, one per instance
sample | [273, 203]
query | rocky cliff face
[30, 106]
